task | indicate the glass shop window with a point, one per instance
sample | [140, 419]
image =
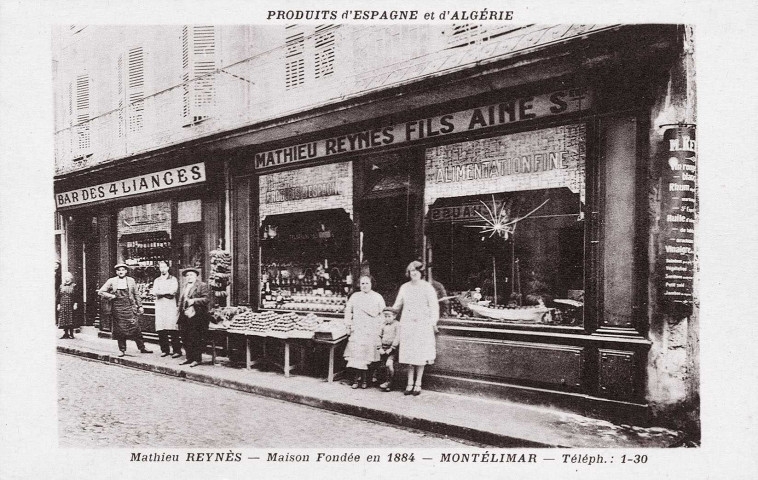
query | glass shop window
[512, 257]
[305, 261]
[144, 239]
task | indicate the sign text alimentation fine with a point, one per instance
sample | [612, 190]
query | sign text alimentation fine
[509, 111]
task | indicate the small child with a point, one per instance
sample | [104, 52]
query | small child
[390, 340]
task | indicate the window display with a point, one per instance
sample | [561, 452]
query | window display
[144, 239]
[511, 257]
[305, 261]
[507, 223]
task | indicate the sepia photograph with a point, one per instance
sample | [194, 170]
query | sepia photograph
[382, 232]
[374, 240]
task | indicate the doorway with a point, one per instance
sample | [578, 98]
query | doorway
[390, 212]
[388, 246]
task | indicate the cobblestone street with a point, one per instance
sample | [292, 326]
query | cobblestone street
[102, 405]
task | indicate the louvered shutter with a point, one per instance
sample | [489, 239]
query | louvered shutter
[135, 92]
[460, 35]
[120, 73]
[198, 75]
[324, 41]
[294, 63]
[79, 109]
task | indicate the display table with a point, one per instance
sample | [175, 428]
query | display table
[217, 337]
[332, 344]
[286, 364]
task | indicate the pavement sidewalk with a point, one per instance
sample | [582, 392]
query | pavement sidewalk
[485, 421]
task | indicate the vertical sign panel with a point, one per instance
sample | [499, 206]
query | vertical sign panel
[678, 215]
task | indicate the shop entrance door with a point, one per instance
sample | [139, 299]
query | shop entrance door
[90, 278]
[387, 228]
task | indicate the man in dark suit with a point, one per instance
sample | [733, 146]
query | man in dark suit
[195, 302]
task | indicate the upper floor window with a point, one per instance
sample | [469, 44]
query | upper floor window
[309, 54]
[131, 90]
[459, 35]
[198, 74]
[78, 111]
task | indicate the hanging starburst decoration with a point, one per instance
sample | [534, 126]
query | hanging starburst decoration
[500, 221]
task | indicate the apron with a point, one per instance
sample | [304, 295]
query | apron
[125, 322]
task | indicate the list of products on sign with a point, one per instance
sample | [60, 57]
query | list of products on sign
[679, 210]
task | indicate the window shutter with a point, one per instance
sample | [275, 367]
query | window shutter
[466, 34]
[294, 67]
[199, 66]
[81, 116]
[324, 50]
[121, 95]
[135, 89]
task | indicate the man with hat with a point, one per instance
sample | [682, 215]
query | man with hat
[195, 301]
[126, 306]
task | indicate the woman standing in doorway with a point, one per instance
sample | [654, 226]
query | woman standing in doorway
[67, 304]
[363, 317]
[418, 321]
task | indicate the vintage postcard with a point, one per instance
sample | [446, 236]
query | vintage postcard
[372, 240]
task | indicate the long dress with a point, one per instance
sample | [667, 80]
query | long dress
[66, 300]
[166, 310]
[363, 313]
[420, 313]
[125, 324]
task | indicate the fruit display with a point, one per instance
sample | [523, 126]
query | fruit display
[241, 322]
[244, 321]
[222, 316]
[284, 324]
[221, 264]
[262, 322]
[305, 326]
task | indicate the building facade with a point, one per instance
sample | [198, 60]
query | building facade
[545, 174]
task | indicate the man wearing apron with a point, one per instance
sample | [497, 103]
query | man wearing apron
[126, 306]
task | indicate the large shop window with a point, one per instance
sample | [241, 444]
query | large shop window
[144, 239]
[506, 226]
[305, 261]
[505, 269]
[147, 235]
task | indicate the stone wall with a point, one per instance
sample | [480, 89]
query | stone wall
[673, 363]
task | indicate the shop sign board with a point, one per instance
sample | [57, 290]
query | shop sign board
[321, 187]
[152, 182]
[552, 157]
[510, 110]
[678, 219]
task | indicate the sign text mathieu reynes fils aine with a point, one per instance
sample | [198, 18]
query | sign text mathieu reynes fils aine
[509, 111]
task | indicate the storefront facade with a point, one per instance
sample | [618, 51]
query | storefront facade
[533, 185]
[529, 203]
[142, 219]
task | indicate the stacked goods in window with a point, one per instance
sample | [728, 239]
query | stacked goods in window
[316, 303]
[221, 264]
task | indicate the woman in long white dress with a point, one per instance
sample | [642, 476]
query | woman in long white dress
[363, 317]
[420, 313]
